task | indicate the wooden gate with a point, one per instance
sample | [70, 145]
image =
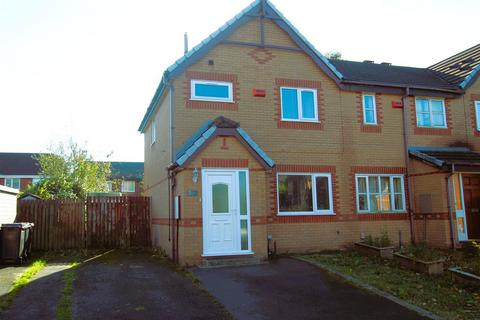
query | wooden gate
[97, 222]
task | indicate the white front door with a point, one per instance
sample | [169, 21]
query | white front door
[224, 213]
[460, 207]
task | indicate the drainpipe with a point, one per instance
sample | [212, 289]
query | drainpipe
[449, 204]
[172, 222]
[407, 162]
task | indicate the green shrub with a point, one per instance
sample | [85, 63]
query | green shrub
[423, 252]
[381, 241]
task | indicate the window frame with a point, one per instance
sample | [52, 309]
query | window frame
[124, 190]
[392, 192]
[12, 179]
[314, 212]
[375, 121]
[153, 133]
[299, 106]
[476, 105]
[429, 100]
[193, 95]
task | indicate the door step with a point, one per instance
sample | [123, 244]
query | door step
[220, 262]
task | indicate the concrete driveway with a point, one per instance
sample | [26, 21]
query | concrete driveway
[292, 289]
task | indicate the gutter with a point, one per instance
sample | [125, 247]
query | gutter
[406, 86]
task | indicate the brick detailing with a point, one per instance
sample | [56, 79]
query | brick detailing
[301, 168]
[261, 56]
[213, 105]
[224, 163]
[370, 128]
[298, 124]
[431, 216]
[375, 170]
[431, 131]
[473, 98]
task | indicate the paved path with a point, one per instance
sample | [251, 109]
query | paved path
[292, 289]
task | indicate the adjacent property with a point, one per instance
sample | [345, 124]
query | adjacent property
[19, 170]
[254, 138]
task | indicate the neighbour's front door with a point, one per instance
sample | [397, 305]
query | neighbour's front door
[221, 212]
[471, 192]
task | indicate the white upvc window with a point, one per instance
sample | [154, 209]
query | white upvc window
[109, 186]
[431, 113]
[380, 193]
[477, 114]
[12, 183]
[369, 109]
[154, 132]
[299, 104]
[304, 194]
[128, 186]
[206, 90]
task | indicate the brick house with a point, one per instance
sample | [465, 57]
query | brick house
[254, 138]
[19, 170]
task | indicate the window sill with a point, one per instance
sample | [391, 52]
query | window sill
[211, 100]
[287, 214]
[381, 212]
[370, 124]
[306, 121]
[423, 127]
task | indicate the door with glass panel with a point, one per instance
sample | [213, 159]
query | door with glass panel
[459, 207]
[226, 219]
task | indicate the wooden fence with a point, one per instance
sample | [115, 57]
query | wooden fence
[97, 222]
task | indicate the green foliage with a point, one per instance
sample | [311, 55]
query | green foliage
[423, 252]
[472, 249]
[381, 242]
[20, 282]
[64, 306]
[335, 55]
[69, 172]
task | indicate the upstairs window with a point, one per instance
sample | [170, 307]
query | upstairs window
[12, 183]
[211, 91]
[369, 109]
[128, 186]
[431, 113]
[154, 132]
[299, 104]
[477, 114]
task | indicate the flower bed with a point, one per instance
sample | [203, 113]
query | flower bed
[464, 278]
[366, 249]
[428, 267]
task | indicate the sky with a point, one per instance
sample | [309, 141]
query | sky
[86, 70]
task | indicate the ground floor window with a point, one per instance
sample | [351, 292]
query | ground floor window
[303, 194]
[380, 193]
[12, 183]
[128, 186]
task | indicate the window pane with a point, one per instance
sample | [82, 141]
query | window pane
[397, 185]
[438, 120]
[477, 113]
[369, 116]
[220, 198]
[323, 195]
[398, 202]
[386, 202]
[385, 184]
[362, 185]
[422, 105]
[289, 104]
[374, 202]
[12, 183]
[368, 102]
[458, 192]
[242, 177]
[295, 193]
[308, 105]
[373, 185]
[243, 235]
[362, 202]
[212, 90]
[423, 120]
[437, 106]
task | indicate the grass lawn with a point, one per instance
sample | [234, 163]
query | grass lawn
[437, 294]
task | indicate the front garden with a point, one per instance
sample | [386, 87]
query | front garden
[408, 274]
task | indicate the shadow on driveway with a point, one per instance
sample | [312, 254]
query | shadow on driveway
[292, 289]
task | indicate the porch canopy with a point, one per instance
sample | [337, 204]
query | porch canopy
[444, 158]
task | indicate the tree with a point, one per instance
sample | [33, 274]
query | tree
[69, 172]
[335, 55]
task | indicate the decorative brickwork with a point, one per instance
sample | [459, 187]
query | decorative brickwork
[431, 131]
[214, 105]
[432, 216]
[298, 124]
[261, 56]
[473, 98]
[371, 128]
[224, 163]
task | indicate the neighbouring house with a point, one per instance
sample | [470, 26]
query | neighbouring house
[8, 204]
[19, 170]
[254, 138]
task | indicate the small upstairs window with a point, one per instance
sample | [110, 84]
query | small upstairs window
[299, 104]
[369, 109]
[211, 91]
[477, 114]
[154, 132]
[431, 113]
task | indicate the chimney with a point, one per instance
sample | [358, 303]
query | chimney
[368, 61]
[185, 43]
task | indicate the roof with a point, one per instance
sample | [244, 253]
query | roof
[385, 74]
[461, 69]
[446, 156]
[21, 164]
[210, 129]
[256, 9]
[126, 170]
